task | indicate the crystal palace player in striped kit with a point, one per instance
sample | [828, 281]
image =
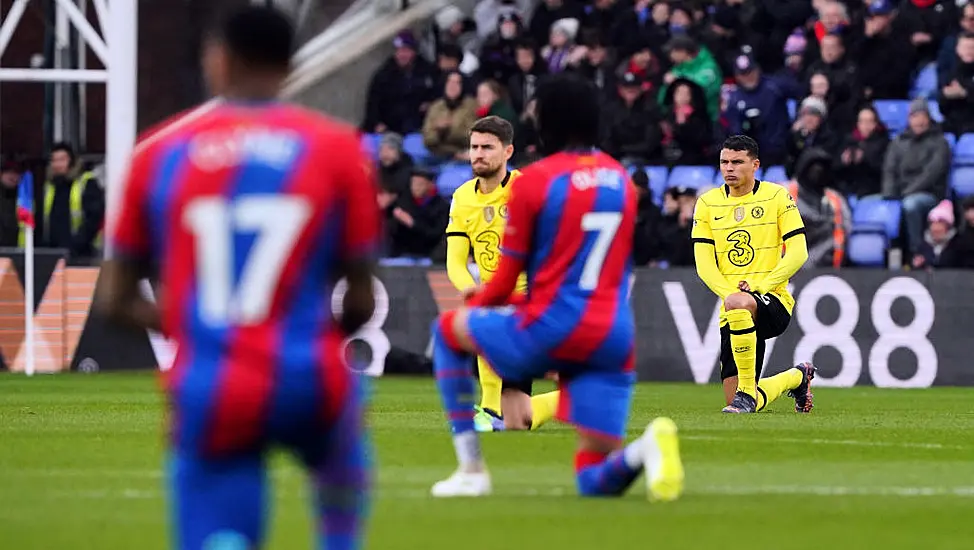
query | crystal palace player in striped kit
[252, 210]
[570, 227]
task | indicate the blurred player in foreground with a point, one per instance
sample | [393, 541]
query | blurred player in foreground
[477, 217]
[570, 228]
[749, 239]
[252, 212]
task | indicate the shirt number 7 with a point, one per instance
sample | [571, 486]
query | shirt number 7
[605, 225]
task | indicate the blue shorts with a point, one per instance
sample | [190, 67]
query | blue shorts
[596, 394]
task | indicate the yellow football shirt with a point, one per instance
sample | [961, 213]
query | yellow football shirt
[749, 232]
[480, 219]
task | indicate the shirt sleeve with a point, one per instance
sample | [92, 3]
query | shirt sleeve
[522, 208]
[362, 218]
[789, 220]
[128, 229]
[455, 226]
[701, 224]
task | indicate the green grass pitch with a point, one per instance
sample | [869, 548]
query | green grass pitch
[81, 468]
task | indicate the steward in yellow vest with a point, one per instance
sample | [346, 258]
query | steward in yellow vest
[73, 206]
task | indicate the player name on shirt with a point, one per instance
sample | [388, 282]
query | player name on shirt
[221, 148]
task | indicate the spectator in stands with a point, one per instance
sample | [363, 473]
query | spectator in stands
[941, 247]
[759, 109]
[631, 123]
[526, 139]
[965, 237]
[521, 86]
[547, 13]
[915, 170]
[767, 26]
[843, 78]
[560, 52]
[861, 160]
[601, 16]
[395, 166]
[488, 13]
[688, 135]
[675, 225]
[400, 90]
[448, 121]
[497, 58]
[824, 210]
[645, 25]
[598, 65]
[451, 27]
[492, 100]
[926, 23]
[809, 130]
[450, 60]
[841, 107]
[645, 246]
[832, 19]
[792, 75]
[74, 205]
[644, 64]
[417, 220]
[9, 224]
[695, 63]
[724, 32]
[947, 57]
[886, 59]
[956, 96]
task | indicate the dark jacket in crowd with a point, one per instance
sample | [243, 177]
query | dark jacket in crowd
[692, 141]
[956, 253]
[646, 238]
[917, 164]
[543, 18]
[959, 112]
[522, 86]
[863, 178]
[396, 96]
[938, 19]
[430, 216]
[632, 132]
[9, 226]
[762, 113]
[800, 140]
[395, 177]
[57, 226]
[886, 63]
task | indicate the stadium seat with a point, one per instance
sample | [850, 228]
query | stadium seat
[775, 174]
[872, 212]
[962, 181]
[935, 113]
[867, 248]
[691, 176]
[852, 200]
[370, 144]
[792, 108]
[405, 262]
[893, 113]
[925, 83]
[658, 175]
[412, 144]
[964, 150]
[452, 176]
[951, 140]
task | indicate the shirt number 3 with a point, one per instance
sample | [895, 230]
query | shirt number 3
[742, 253]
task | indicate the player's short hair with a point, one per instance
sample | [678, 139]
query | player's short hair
[742, 143]
[260, 36]
[495, 126]
[567, 112]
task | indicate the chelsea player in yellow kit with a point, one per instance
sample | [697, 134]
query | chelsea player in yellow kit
[478, 215]
[749, 239]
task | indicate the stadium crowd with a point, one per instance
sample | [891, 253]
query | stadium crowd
[864, 109]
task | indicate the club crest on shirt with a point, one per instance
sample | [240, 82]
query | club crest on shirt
[489, 213]
[757, 212]
[739, 213]
[503, 211]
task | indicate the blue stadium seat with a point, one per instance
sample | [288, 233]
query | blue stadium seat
[935, 113]
[867, 248]
[370, 144]
[413, 145]
[658, 175]
[405, 262]
[691, 176]
[925, 83]
[775, 174]
[962, 181]
[875, 211]
[951, 140]
[964, 150]
[792, 108]
[852, 200]
[452, 176]
[893, 113]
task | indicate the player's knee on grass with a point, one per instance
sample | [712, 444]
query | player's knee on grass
[741, 300]
[517, 409]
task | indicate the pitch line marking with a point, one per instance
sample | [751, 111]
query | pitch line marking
[817, 441]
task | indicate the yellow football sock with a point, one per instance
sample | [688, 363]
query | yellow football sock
[772, 387]
[744, 343]
[543, 408]
[490, 387]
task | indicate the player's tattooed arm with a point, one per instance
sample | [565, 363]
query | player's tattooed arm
[120, 297]
[359, 302]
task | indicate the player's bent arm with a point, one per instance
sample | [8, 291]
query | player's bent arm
[707, 270]
[120, 298]
[358, 304]
[498, 290]
[457, 252]
[796, 253]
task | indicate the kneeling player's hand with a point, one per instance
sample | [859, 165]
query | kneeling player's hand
[743, 286]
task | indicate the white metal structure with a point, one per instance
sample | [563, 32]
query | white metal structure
[116, 47]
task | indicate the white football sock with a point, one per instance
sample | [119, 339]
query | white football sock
[467, 447]
[632, 454]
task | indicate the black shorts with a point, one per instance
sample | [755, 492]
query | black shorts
[772, 320]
